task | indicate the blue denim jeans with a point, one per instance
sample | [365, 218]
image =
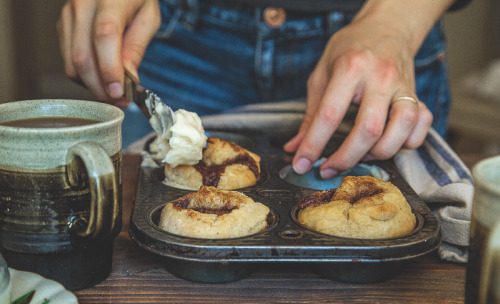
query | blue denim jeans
[210, 56]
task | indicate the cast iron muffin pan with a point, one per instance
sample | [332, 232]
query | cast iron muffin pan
[285, 241]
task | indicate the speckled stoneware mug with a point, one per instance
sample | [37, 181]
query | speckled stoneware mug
[483, 267]
[60, 188]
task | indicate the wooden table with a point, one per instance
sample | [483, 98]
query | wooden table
[139, 277]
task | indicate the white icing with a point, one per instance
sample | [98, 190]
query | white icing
[180, 137]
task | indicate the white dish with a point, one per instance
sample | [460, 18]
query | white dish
[24, 282]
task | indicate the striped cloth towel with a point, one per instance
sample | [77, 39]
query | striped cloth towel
[434, 170]
[443, 181]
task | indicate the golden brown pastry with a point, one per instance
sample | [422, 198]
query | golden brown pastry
[362, 207]
[211, 213]
[224, 165]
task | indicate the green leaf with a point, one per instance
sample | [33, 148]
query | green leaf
[25, 299]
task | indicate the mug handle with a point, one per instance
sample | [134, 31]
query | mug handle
[491, 253]
[104, 205]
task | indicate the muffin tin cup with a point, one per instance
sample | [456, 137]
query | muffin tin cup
[285, 241]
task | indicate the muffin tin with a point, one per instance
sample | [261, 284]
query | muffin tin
[285, 241]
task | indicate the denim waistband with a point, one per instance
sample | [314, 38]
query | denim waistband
[249, 5]
[249, 18]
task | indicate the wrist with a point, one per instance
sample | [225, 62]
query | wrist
[411, 20]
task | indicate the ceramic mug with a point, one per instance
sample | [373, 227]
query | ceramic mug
[5, 283]
[483, 266]
[60, 188]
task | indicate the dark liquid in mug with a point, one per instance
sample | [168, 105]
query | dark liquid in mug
[49, 122]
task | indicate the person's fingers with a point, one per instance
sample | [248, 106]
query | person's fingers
[339, 92]
[65, 31]
[95, 46]
[419, 133]
[82, 52]
[109, 27]
[114, 45]
[368, 128]
[139, 33]
[403, 117]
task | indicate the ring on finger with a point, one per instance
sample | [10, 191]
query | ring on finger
[408, 98]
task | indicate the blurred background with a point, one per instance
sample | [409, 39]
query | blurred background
[31, 66]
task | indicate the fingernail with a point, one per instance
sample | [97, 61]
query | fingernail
[328, 173]
[302, 165]
[115, 90]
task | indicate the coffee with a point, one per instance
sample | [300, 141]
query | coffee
[49, 122]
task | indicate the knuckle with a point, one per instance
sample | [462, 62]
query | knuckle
[372, 127]
[414, 143]
[382, 153]
[81, 59]
[409, 117]
[373, 130]
[76, 5]
[342, 163]
[329, 116]
[387, 73]
[354, 61]
[136, 49]
[106, 30]
[387, 70]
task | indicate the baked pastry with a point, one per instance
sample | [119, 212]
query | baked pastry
[212, 213]
[362, 207]
[224, 165]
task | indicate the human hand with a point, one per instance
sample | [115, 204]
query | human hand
[98, 38]
[369, 62]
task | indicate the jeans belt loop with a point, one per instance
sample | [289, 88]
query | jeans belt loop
[191, 9]
[334, 22]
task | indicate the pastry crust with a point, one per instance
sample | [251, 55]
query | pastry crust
[363, 207]
[224, 165]
[211, 213]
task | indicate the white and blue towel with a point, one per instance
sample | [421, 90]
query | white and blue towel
[434, 170]
[443, 181]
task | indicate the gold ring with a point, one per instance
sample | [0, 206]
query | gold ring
[409, 98]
